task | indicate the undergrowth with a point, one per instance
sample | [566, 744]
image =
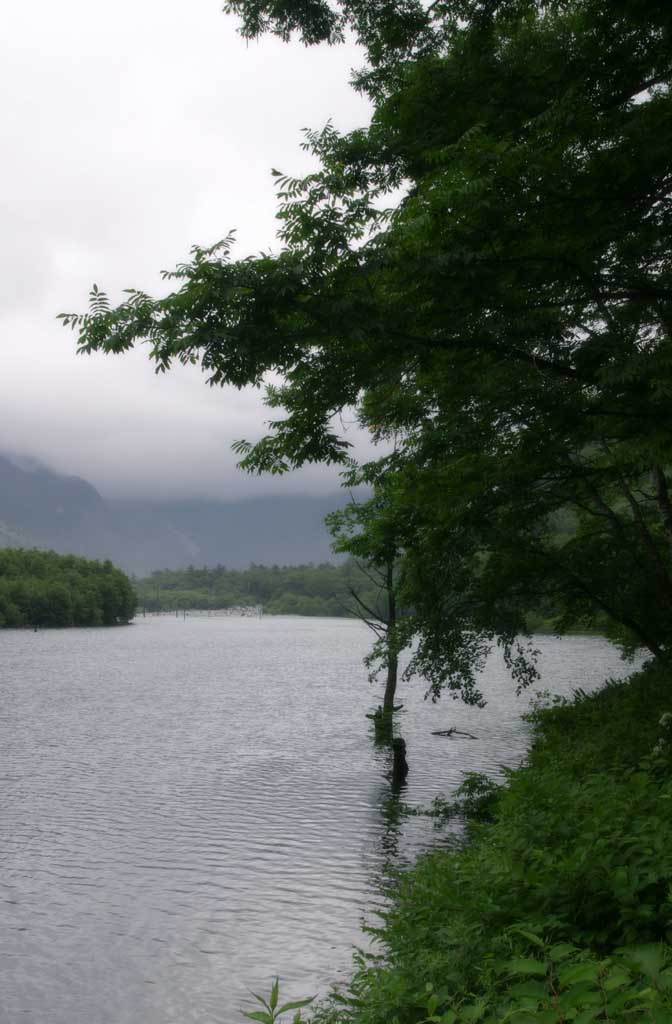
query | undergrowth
[558, 908]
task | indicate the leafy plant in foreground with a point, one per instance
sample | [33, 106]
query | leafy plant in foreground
[560, 984]
[271, 1011]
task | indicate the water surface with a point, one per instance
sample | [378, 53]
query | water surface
[188, 807]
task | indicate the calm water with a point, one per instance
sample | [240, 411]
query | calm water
[189, 807]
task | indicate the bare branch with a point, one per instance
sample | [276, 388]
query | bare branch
[370, 613]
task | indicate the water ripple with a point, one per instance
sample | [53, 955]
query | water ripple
[188, 807]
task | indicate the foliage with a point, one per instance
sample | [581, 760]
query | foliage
[41, 588]
[281, 590]
[507, 324]
[476, 801]
[559, 908]
[271, 1011]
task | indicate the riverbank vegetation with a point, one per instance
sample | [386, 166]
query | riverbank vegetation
[41, 588]
[559, 908]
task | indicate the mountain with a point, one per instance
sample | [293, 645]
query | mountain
[40, 508]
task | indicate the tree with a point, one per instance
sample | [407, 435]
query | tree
[41, 588]
[508, 323]
[367, 532]
[390, 30]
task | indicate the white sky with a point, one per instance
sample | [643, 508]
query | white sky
[130, 132]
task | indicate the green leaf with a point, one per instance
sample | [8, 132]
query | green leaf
[561, 951]
[297, 1005]
[587, 1015]
[530, 936]
[275, 988]
[533, 1017]
[578, 973]
[529, 990]
[526, 965]
[617, 1002]
[649, 959]
[432, 1004]
[263, 1018]
[616, 978]
[473, 1011]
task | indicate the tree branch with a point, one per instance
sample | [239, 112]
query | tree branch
[373, 615]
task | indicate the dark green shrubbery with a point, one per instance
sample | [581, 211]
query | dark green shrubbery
[41, 588]
[559, 907]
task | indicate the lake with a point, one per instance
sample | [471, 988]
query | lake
[190, 806]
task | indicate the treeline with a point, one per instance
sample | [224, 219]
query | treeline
[41, 588]
[282, 590]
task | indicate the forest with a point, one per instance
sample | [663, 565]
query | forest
[281, 590]
[41, 588]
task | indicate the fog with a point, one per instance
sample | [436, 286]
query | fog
[130, 133]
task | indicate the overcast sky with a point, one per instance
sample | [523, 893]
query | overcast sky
[132, 131]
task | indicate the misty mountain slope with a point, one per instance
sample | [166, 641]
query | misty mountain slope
[40, 508]
[34, 499]
[263, 530]
[10, 537]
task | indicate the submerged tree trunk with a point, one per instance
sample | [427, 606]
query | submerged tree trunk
[399, 764]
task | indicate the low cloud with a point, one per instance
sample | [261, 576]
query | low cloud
[132, 133]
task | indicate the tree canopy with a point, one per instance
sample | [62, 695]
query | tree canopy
[41, 588]
[484, 274]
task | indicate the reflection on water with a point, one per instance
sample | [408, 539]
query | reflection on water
[189, 807]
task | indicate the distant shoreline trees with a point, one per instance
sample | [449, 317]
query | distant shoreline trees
[41, 588]
[317, 590]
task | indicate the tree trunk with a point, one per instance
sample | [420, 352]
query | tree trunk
[391, 683]
[399, 764]
[664, 503]
[392, 656]
[648, 541]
